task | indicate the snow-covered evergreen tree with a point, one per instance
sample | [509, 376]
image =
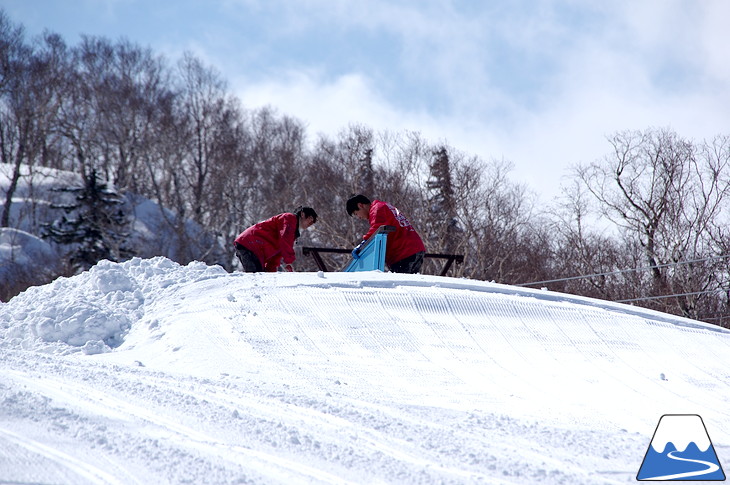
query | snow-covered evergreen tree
[445, 231]
[94, 225]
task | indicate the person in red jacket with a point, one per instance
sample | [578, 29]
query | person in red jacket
[404, 250]
[262, 246]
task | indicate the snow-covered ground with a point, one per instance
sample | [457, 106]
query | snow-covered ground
[151, 372]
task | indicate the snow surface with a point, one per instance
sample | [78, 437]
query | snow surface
[150, 372]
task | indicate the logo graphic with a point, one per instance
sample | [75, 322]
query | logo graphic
[681, 450]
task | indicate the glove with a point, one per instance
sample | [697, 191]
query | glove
[289, 268]
[356, 251]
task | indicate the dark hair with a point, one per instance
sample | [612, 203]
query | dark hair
[307, 211]
[353, 201]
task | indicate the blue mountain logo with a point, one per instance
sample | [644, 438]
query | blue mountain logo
[681, 450]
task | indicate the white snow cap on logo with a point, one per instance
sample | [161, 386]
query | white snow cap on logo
[680, 429]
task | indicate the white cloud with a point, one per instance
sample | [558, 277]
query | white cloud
[541, 88]
[325, 105]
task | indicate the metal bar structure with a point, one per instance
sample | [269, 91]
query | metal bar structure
[372, 256]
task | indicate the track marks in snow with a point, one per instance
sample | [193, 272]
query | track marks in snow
[459, 337]
[324, 383]
[46, 464]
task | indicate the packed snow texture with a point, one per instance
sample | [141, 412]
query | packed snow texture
[150, 372]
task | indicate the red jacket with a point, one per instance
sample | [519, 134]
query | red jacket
[271, 240]
[402, 243]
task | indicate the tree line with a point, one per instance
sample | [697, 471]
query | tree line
[646, 221]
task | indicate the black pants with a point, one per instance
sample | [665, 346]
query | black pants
[411, 264]
[248, 259]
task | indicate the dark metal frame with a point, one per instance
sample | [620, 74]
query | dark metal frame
[315, 253]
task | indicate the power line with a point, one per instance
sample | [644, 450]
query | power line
[571, 278]
[660, 297]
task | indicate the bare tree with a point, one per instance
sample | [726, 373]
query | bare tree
[232, 183]
[665, 193]
[132, 97]
[196, 143]
[344, 167]
[203, 100]
[581, 253]
[29, 101]
[277, 156]
[14, 59]
[78, 120]
[497, 219]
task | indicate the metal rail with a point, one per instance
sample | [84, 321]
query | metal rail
[316, 253]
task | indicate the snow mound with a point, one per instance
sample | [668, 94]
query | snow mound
[201, 376]
[93, 311]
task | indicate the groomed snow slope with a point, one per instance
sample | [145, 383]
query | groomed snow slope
[150, 372]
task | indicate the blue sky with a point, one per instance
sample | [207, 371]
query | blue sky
[539, 83]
